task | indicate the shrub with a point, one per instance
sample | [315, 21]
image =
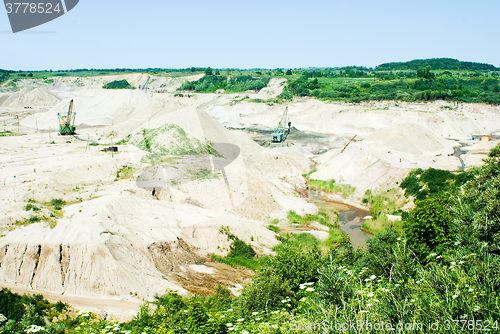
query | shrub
[57, 203]
[117, 84]
[428, 228]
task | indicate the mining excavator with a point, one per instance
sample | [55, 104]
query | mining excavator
[281, 132]
[67, 122]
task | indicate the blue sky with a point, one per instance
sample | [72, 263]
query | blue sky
[251, 34]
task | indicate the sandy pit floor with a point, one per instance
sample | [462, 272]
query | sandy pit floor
[115, 237]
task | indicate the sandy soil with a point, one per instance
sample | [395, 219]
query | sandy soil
[115, 238]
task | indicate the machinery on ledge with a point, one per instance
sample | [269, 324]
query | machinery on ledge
[281, 132]
[67, 122]
[146, 84]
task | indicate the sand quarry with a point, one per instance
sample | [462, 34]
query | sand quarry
[116, 244]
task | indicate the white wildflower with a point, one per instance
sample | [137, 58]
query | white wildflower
[364, 311]
[372, 277]
[471, 289]
[369, 305]
[310, 289]
[255, 313]
[476, 308]
[229, 325]
[432, 254]
[371, 294]
[240, 319]
[461, 262]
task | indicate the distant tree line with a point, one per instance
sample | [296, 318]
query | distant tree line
[424, 86]
[4, 75]
[436, 64]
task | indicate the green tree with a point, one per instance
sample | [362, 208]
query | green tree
[482, 195]
[289, 72]
[428, 228]
[425, 73]
[208, 71]
[217, 71]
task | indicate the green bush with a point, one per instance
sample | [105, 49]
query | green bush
[429, 228]
[274, 228]
[57, 203]
[241, 249]
[117, 84]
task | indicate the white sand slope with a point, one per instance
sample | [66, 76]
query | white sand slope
[115, 237]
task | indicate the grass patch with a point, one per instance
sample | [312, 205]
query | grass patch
[204, 174]
[36, 219]
[8, 134]
[274, 228]
[124, 141]
[124, 172]
[240, 253]
[330, 187]
[57, 203]
[336, 237]
[301, 241]
[237, 261]
[382, 204]
[314, 170]
[31, 207]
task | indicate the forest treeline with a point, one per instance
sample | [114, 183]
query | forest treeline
[414, 81]
[445, 64]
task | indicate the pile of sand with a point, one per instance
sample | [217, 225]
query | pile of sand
[410, 138]
[36, 98]
[120, 238]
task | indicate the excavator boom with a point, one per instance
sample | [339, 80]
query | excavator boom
[281, 132]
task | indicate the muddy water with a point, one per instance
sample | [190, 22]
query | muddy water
[350, 219]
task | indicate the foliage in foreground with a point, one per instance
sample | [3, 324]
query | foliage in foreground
[452, 282]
